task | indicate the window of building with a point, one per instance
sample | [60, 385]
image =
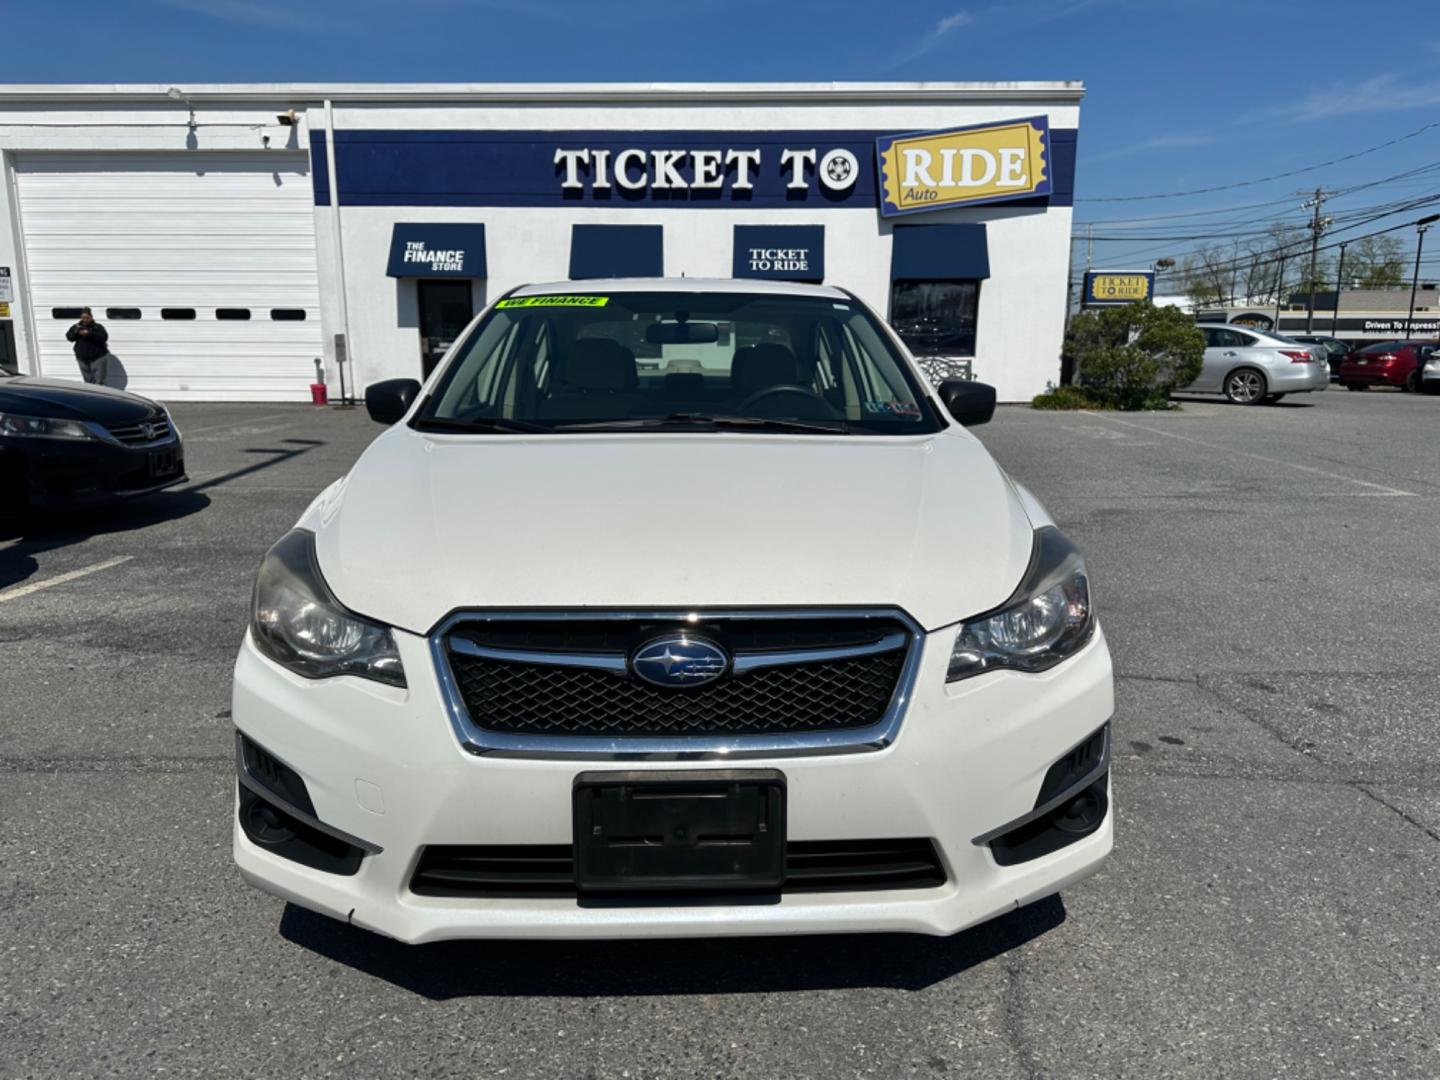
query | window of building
[287, 314]
[935, 318]
[122, 313]
[177, 313]
[232, 313]
[65, 312]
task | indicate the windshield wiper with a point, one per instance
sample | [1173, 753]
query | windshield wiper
[480, 423]
[711, 420]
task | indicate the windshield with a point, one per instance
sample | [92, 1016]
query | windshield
[656, 360]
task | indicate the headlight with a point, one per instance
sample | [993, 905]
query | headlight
[40, 427]
[1048, 618]
[297, 622]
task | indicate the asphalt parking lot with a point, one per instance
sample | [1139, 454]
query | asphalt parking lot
[1267, 578]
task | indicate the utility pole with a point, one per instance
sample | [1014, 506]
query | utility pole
[1317, 226]
[1089, 247]
[1339, 286]
[1420, 227]
[1279, 291]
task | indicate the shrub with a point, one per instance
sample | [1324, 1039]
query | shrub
[1131, 357]
[1064, 397]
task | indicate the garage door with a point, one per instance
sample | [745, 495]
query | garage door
[201, 265]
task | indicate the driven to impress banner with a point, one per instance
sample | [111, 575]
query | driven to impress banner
[930, 170]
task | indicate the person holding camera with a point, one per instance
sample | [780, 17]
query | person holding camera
[92, 350]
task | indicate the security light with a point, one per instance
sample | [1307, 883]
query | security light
[287, 118]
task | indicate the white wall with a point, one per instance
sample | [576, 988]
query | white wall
[126, 126]
[1022, 305]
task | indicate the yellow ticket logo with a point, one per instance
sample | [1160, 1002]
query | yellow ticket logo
[990, 163]
[553, 301]
[1119, 288]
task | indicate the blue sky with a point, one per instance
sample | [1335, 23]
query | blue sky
[1181, 95]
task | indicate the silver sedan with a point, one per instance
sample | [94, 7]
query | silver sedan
[1250, 367]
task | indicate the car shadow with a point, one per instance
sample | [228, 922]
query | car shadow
[645, 967]
[47, 530]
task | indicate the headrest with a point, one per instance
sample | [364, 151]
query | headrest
[600, 364]
[757, 366]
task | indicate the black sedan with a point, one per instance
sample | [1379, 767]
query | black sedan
[64, 442]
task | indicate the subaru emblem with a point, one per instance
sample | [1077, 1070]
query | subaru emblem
[677, 660]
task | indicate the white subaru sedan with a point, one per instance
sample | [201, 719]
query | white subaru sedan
[670, 608]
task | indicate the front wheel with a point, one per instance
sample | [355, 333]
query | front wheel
[1412, 383]
[1245, 387]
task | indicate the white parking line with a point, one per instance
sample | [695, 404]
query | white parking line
[187, 432]
[1377, 489]
[17, 591]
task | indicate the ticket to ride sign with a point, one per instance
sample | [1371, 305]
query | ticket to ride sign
[1117, 287]
[931, 170]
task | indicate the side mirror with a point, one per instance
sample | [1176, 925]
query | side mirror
[388, 401]
[969, 402]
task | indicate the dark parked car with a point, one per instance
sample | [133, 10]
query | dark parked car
[1386, 363]
[1335, 350]
[63, 442]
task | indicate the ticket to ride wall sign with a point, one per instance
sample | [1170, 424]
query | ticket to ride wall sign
[1104, 287]
[930, 170]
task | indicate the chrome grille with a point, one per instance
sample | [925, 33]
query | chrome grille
[147, 431]
[538, 684]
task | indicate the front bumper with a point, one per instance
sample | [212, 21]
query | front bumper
[384, 766]
[58, 471]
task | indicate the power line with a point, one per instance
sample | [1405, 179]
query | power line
[1263, 179]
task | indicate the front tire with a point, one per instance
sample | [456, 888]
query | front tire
[1412, 383]
[1245, 386]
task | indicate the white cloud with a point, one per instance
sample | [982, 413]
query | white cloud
[243, 11]
[1158, 142]
[1378, 94]
[936, 35]
[1011, 16]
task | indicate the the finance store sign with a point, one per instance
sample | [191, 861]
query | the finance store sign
[1017, 159]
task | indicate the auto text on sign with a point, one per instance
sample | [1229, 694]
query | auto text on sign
[989, 163]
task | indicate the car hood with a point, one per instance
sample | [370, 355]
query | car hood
[424, 525]
[57, 398]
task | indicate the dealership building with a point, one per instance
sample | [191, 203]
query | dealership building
[236, 238]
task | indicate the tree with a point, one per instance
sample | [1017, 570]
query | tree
[1132, 357]
[1374, 262]
[1257, 271]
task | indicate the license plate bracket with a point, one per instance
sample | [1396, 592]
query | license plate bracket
[161, 463]
[681, 831]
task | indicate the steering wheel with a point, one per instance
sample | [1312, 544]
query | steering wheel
[782, 389]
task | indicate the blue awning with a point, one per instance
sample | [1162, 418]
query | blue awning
[939, 253]
[437, 250]
[613, 251]
[780, 252]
